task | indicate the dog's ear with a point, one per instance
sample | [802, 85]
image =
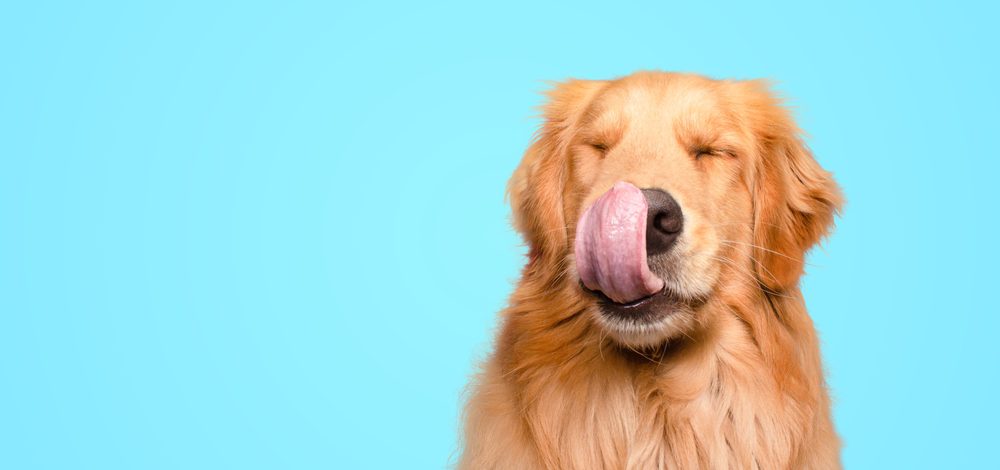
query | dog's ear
[535, 190]
[795, 199]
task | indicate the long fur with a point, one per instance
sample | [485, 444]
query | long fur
[743, 388]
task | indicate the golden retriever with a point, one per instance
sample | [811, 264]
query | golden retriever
[658, 322]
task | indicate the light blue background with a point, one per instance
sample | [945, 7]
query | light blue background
[245, 235]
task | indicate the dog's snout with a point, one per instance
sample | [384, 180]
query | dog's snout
[664, 221]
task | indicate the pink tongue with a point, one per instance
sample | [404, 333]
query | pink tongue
[611, 246]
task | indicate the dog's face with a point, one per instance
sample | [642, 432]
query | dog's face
[657, 192]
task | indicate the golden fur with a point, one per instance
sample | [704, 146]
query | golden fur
[736, 381]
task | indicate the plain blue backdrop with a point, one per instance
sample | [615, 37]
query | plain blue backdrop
[247, 235]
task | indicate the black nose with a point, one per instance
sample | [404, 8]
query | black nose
[664, 221]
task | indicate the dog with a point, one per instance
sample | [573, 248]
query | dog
[658, 321]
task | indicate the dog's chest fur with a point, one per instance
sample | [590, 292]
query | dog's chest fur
[718, 404]
[700, 411]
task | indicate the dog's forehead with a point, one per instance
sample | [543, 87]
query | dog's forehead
[657, 100]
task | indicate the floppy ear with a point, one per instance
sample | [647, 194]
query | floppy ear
[535, 190]
[794, 198]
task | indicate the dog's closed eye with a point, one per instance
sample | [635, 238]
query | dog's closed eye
[706, 151]
[600, 147]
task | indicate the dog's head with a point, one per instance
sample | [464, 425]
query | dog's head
[655, 192]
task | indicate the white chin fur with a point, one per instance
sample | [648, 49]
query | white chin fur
[649, 333]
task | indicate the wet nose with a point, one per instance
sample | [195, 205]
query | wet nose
[664, 221]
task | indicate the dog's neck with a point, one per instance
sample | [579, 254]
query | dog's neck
[746, 387]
